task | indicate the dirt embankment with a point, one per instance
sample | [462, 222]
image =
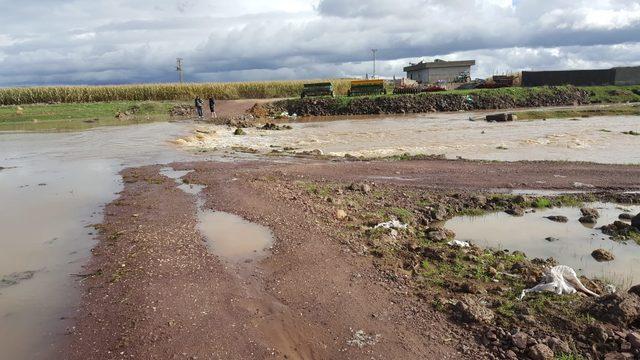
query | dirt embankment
[331, 288]
[423, 103]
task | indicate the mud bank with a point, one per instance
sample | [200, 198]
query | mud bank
[424, 103]
[331, 287]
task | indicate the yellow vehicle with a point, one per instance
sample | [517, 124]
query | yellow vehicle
[367, 87]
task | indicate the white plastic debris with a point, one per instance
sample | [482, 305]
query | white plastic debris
[459, 243]
[610, 289]
[394, 224]
[561, 280]
[362, 339]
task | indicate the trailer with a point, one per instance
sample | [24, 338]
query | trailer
[317, 89]
[367, 87]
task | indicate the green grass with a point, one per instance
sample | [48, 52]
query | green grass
[79, 116]
[541, 203]
[579, 113]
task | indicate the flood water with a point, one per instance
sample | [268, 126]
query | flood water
[597, 139]
[573, 246]
[54, 186]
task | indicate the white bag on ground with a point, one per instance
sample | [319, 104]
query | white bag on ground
[561, 280]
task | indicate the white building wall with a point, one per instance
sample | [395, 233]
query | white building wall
[434, 75]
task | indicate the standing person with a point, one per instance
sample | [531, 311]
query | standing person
[199, 104]
[212, 106]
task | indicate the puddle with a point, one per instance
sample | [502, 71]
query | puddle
[574, 244]
[229, 236]
[234, 238]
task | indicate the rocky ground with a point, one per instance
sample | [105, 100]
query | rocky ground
[334, 286]
[423, 103]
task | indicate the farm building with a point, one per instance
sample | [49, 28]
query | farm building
[615, 76]
[440, 71]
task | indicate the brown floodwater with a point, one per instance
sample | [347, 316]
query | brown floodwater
[573, 242]
[596, 139]
[53, 187]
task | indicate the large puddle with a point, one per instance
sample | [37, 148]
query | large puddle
[571, 243]
[52, 190]
[597, 139]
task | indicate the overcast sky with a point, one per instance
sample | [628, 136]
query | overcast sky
[131, 41]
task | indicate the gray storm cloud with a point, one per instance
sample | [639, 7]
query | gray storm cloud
[98, 42]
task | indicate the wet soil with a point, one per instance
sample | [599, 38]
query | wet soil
[155, 291]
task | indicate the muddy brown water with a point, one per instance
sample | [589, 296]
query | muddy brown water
[228, 236]
[597, 139]
[573, 246]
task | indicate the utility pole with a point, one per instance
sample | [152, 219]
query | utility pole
[179, 69]
[374, 62]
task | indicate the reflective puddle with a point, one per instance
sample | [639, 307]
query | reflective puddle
[572, 242]
[234, 238]
[228, 236]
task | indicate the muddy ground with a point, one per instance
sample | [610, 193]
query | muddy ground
[332, 288]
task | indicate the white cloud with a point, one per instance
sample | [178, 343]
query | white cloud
[115, 41]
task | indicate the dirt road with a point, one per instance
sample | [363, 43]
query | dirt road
[157, 292]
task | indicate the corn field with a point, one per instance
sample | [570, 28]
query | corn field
[146, 92]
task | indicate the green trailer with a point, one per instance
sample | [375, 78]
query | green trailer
[317, 89]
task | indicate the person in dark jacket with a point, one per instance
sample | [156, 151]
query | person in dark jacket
[212, 106]
[199, 104]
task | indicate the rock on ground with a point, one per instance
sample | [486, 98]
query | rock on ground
[541, 352]
[602, 255]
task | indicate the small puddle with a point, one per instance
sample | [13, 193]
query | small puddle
[573, 245]
[229, 236]
[232, 237]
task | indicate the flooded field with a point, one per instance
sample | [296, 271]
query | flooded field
[597, 139]
[53, 188]
[569, 243]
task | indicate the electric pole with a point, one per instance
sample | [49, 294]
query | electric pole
[179, 69]
[374, 62]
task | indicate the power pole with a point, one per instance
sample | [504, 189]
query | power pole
[374, 62]
[179, 69]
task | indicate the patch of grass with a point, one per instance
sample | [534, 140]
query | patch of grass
[404, 215]
[623, 110]
[541, 203]
[567, 200]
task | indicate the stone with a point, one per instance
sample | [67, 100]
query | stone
[635, 222]
[635, 290]
[511, 355]
[520, 340]
[439, 234]
[602, 255]
[618, 309]
[540, 352]
[618, 356]
[590, 212]
[588, 219]
[625, 216]
[341, 214]
[558, 346]
[470, 310]
[515, 211]
[552, 239]
[558, 218]
[438, 213]
[239, 131]
[365, 188]
[634, 339]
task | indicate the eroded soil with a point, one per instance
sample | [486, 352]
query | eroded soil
[332, 287]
